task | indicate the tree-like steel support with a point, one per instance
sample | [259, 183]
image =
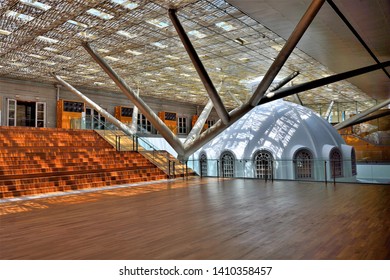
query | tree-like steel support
[236, 114]
[199, 124]
[284, 81]
[329, 110]
[134, 119]
[287, 49]
[161, 127]
[227, 119]
[298, 99]
[208, 84]
[271, 91]
[238, 101]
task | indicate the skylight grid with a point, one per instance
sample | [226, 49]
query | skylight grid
[100, 14]
[138, 37]
[36, 4]
[19, 16]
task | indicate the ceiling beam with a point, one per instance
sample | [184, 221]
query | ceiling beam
[208, 84]
[355, 119]
[281, 93]
[353, 30]
[287, 49]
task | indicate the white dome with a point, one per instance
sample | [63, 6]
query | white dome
[281, 128]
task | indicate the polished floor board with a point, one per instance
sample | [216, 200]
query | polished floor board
[203, 219]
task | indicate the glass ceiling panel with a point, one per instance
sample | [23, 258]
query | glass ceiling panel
[139, 41]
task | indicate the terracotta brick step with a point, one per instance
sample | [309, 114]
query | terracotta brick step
[45, 190]
[9, 137]
[51, 143]
[115, 157]
[58, 162]
[77, 179]
[27, 172]
[55, 150]
[49, 153]
[69, 170]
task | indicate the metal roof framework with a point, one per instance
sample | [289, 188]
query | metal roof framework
[139, 41]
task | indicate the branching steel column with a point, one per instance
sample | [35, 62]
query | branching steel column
[95, 106]
[285, 81]
[298, 99]
[329, 111]
[165, 132]
[271, 91]
[356, 118]
[286, 51]
[208, 84]
[236, 114]
[196, 130]
[238, 101]
[191, 146]
[322, 82]
[134, 119]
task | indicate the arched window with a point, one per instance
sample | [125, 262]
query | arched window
[303, 161]
[203, 165]
[336, 163]
[227, 165]
[263, 164]
[353, 162]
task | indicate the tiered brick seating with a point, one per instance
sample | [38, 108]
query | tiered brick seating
[42, 160]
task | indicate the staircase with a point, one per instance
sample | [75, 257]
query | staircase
[43, 160]
[168, 164]
[162, 159]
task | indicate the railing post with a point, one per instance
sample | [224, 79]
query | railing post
[200, 168]
[187, 169]
[169, 169]
[326, 175]
[334, 172]
[217, 168]
[173, 169]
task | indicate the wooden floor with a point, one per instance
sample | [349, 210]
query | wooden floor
[203, 219]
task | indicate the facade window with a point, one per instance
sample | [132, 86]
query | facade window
[227, 165]
[203, 165]
[182, 125]
[144, 126]
[210, 123]
[303, 161]
[263, 164]
[336, 163]
[353, 162]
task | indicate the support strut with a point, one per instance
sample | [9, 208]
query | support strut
[208, 84]
[287, 49]
[356, 118]
[161, 127]
[95, 106]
